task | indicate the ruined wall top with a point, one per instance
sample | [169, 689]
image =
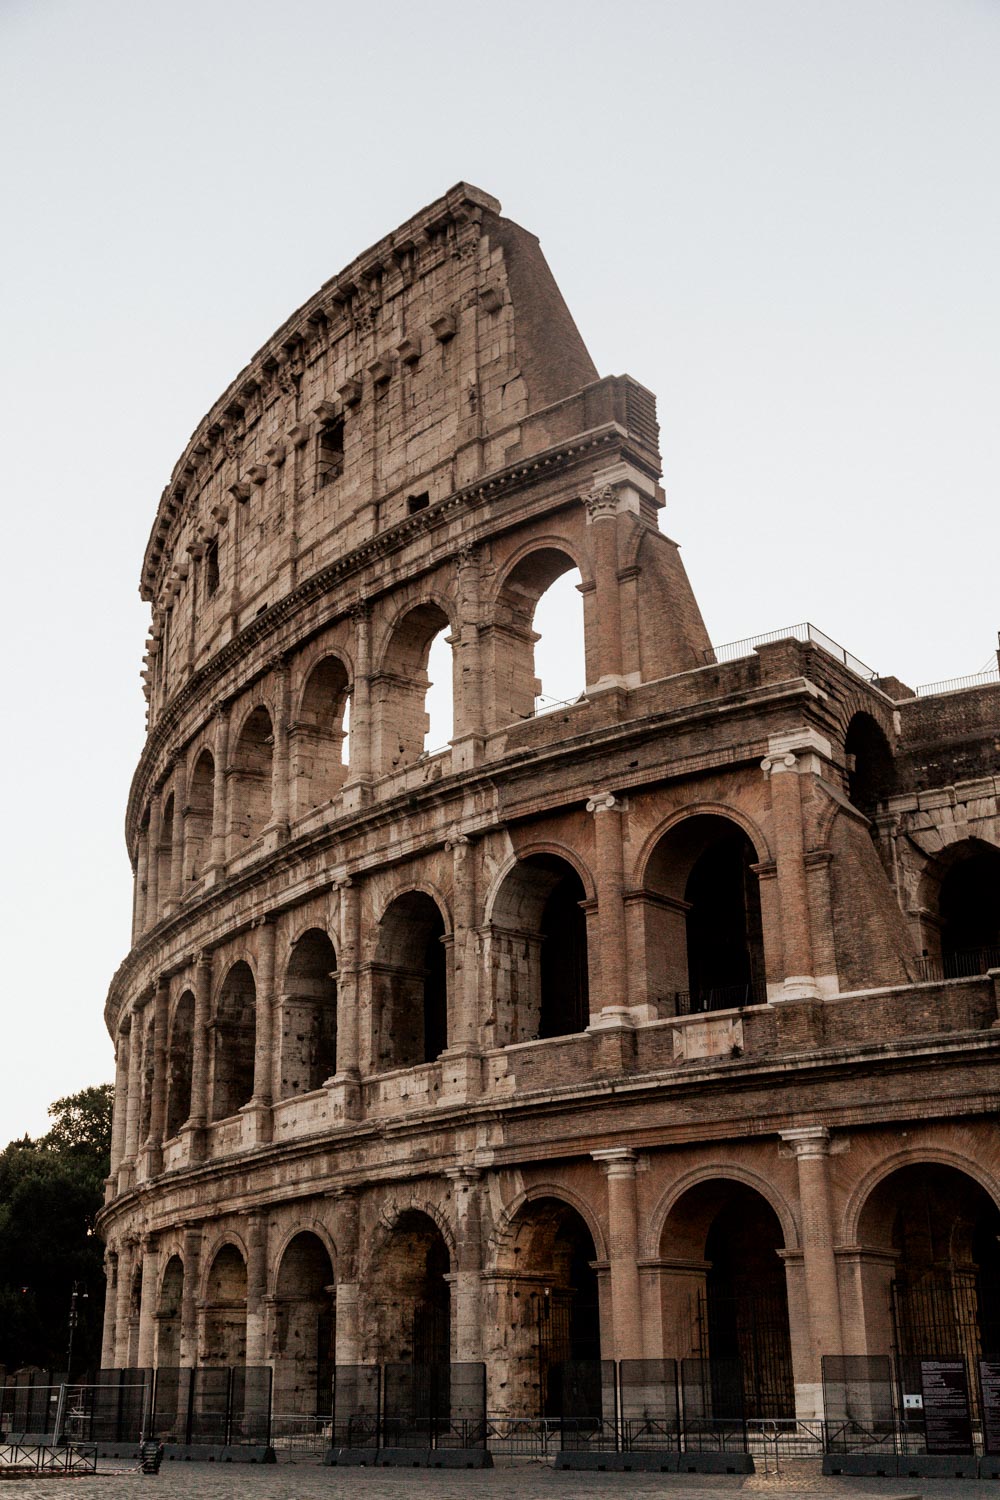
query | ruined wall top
[395, 380]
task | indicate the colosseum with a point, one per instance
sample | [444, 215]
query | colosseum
[659, 1024]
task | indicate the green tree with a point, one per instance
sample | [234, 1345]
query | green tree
[50, 1192]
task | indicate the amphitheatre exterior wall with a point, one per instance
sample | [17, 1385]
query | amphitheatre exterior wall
[415, 1044]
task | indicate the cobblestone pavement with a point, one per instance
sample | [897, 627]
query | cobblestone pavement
[516, 1482]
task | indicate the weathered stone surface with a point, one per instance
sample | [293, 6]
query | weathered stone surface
[412, 1058]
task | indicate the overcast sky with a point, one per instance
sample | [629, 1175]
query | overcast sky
[781, 215]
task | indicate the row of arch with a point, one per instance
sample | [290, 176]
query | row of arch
[703, 931]
[723, 1252]
[415, 686]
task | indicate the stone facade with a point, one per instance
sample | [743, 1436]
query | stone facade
[659, 1023]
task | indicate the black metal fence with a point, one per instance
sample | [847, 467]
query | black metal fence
[409, 1406]
[908, 1405]
[216, 1406]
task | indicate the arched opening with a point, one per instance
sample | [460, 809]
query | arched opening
[142, 1027]
[522, 683]
[250, 781]
[870, 769]
[401, 722]
[539, 961]
[168, 1315]
[547, 1310]
[198, 817]
[409, 1316]
[234, 1031]
[180, 1047]
[410, 985]
[724, 1296]
[309, 1015]
[702, 918]
[931, 1257]
[303, 1342]
[165, 852]
[318, 737]
[226, 1310]
[969, 910]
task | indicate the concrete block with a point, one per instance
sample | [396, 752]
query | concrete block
[356, 1458]
[938, 1466]
[875, 1465]
[716, 1463]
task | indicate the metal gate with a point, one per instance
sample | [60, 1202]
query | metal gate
[752, 1329]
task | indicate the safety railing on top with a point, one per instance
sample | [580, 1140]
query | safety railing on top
[956, 684]
[733, 650]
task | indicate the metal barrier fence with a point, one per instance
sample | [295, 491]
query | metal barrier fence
[410, 1406]
[219, 1406]
[910, 1405]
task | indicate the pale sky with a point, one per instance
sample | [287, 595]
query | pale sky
[781, 215]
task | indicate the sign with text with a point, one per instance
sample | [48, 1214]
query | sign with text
[947, 1417]
[989, 1384]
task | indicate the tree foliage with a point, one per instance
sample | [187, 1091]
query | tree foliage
[50, 1192]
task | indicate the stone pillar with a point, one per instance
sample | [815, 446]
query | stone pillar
[177, 846]
[811, 1148]
[359, 772]
[220, 801]
[611, 1026]
[147, 1305]
[141, 884]
[191, 1252]
[158, 1098]
[123, 1303]
[263, 1060]
[118, 1119]
[467, 1273]
[468, 736]
[347, 1235]
[200, 1041]
[460, 1062]
[618, 1164]
[347, 1079]
[153, 860]
[110, 1309]
[278, 822]
[134, 1084]
[602, 520]
[790, 757]
[256, 1287]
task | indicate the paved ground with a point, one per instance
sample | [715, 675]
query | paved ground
[518, 1482]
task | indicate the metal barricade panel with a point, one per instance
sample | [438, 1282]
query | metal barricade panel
[713, 1419]
[356, 1406]
[859, 1404]
[649, 1404]
[584, 1396]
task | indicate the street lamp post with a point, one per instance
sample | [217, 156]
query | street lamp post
[79, 1292]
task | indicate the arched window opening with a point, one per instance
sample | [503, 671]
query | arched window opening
[234, 1031]
[538, 934]
[870, 768]
[548, 1311]
[198, 817]
[737, 1315]
[403, 727]
[304, 1329]
[168, 1315]
[969, 910]
[180, 1046]
[226, 1310]
[250, 782]
[409, 1316]
[933, 1235]
[309, 1015]
[439, 702]
[702, 914]
[410, 984]
[318, 740]
[523, 684]
[560, 659]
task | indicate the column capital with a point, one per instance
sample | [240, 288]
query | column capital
[620, 487]
[807, 1140]
[463, 1176]
[600, 802]
[455, 839]
[616, 1161]
[799, 750]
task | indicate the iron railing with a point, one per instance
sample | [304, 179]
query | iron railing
[963, 963]
[720, 997]
[733, 650]
[957, 684]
